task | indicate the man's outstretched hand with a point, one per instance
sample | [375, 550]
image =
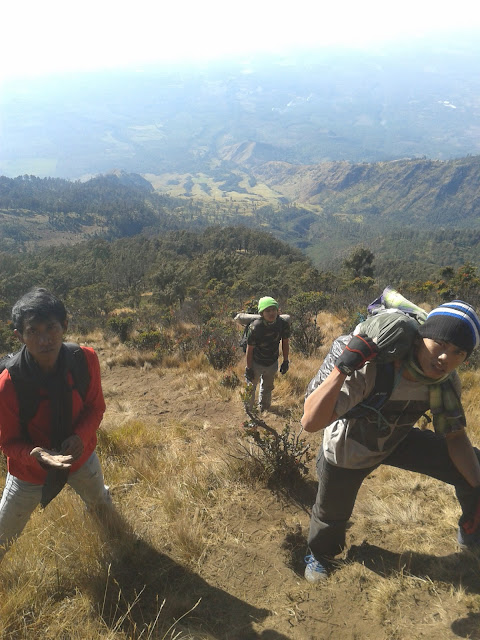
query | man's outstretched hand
[249, 374]
[52, 459]
[471, 525]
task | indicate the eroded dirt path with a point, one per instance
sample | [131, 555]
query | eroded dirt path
[252, 583]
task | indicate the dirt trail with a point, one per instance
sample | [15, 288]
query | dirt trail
[253, 584]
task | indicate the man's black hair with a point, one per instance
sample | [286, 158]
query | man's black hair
[39, 305]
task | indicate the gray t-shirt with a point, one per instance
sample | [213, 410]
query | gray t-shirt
[366, 441]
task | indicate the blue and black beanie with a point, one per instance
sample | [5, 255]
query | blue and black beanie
[454, 322]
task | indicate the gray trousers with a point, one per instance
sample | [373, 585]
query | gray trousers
[20, 498]
[421, 451]
[265, 374]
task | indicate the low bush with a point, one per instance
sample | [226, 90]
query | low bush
[220, 344]
[284, 456]
[120, 326]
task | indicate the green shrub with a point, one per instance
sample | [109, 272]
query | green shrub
[307, 336]
[230, 380]
[120, 326]
[282, 456]
[220, 344]
[187, 342]
[8, 342]
[152, 340]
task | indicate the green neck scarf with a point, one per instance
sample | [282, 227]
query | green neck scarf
[445, 405]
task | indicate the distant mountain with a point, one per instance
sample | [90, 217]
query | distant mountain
[410, 212]
[420, 192]
[301, 109]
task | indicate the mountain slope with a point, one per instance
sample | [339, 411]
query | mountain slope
[410, 191]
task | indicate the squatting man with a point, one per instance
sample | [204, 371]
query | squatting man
[352, 448]
[57, 443]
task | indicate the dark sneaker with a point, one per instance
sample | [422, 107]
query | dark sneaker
[314, 571]
[468, 540]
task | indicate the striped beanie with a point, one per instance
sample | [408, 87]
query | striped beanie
[454, 322]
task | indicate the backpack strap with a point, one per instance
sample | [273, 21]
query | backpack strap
[78, 367]
[244, 339]
[27, 390]
[381, 392]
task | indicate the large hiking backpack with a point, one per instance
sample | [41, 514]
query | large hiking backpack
[246, 319]
[392, 324]
[27, 395]
[243, 342]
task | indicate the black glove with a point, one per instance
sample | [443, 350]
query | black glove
[284, 367]
[249, 374]
[358, 351]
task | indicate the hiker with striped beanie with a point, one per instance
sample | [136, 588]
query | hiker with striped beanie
[362, 431]
[454, 322]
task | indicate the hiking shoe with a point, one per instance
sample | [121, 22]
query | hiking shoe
[314, 571]
[468, 541]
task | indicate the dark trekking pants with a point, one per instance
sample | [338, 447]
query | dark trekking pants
[421, 451]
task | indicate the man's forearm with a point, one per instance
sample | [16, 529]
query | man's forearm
[464, 457]
[249, 356]
[319, 409]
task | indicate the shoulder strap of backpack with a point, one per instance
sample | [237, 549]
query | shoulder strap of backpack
[381, 392]
[77, 365]
[244, 339]
[26, 390]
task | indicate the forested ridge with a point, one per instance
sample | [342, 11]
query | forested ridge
[207, 276]
[413, 215]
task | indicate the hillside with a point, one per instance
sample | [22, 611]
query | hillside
[209, 549]
[420, 192]
[407, 212]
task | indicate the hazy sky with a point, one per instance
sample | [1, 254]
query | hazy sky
[57, 35]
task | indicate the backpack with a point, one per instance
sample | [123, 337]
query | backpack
[246, 319]
[27, 392]
[392, 324]
[243, 342]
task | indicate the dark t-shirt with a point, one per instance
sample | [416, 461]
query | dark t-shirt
[265, 339]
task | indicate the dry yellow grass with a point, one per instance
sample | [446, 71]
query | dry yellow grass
[196, 523]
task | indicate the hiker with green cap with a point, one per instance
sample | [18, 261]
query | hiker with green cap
[360, 435]
[263, 340]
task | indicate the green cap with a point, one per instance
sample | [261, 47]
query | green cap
[266, 302]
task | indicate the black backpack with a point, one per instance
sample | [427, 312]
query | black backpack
[27, 395]
[381, 392]
[244, 339]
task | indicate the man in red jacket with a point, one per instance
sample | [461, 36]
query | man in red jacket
[57, 443]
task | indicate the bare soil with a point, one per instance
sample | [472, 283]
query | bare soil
[252, 585]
